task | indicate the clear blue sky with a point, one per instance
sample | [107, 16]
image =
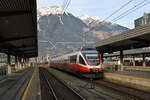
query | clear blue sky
[101, 8]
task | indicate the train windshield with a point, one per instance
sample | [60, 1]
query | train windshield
[92, 57]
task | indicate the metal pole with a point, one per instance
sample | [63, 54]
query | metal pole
[144, 62]
[23, 62]
[121, 59]
[16, 63]
[8, 64]
[28, 62]
[20, 65]
[134, 60]
[83, 39]
[102, 58]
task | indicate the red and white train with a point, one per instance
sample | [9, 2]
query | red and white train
[85, 63]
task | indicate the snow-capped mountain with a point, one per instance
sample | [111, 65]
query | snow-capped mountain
[61, 27]
[55, 10]
[89, 19]
[86, 17]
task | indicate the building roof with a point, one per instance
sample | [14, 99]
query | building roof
[18, 27]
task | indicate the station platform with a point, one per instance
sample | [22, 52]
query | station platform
[135, 79]
[33, 90]
[12, 86]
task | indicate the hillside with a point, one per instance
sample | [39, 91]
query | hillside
[61, 28]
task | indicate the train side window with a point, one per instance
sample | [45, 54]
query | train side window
[73, 59]
[81, 60]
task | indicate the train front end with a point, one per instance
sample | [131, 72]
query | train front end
[90, 62]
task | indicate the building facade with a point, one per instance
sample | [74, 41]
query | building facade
[3, 60]
[3, 64]
[142, 20]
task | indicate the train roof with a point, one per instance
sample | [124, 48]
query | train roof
[68, 53]
[88, 48]
[83, 49]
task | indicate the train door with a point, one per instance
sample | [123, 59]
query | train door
[77, 61]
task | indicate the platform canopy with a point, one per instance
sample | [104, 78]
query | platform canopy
[129, 52]
[18, 27]
[131, 39]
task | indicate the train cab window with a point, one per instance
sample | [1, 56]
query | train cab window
[81, 60]
[73, 59]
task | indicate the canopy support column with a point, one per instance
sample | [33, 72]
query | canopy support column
[16, 63]
[8, 64]
[121, 60]
[144, 62]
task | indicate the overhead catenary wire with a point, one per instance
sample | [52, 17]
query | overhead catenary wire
[118, 10]
[67, 5]
[138, 6]
[64, 4]
[64, 7]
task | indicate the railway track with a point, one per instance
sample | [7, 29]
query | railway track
[54, 89]
[129, 93]
[105, 89]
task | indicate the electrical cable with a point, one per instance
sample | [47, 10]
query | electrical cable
[67, 5]
[118, 9]
[138, 6]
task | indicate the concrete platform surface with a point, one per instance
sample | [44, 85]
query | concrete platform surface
[135, 73]
[134, 79]
[33, 91]
[13, 87]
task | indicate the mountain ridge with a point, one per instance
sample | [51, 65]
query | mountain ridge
[58, 25]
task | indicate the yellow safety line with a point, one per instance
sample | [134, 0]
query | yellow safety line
[28, 87]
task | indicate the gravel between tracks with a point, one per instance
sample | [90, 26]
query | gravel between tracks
[99, 92]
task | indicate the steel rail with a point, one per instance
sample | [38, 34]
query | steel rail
[46, 73]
